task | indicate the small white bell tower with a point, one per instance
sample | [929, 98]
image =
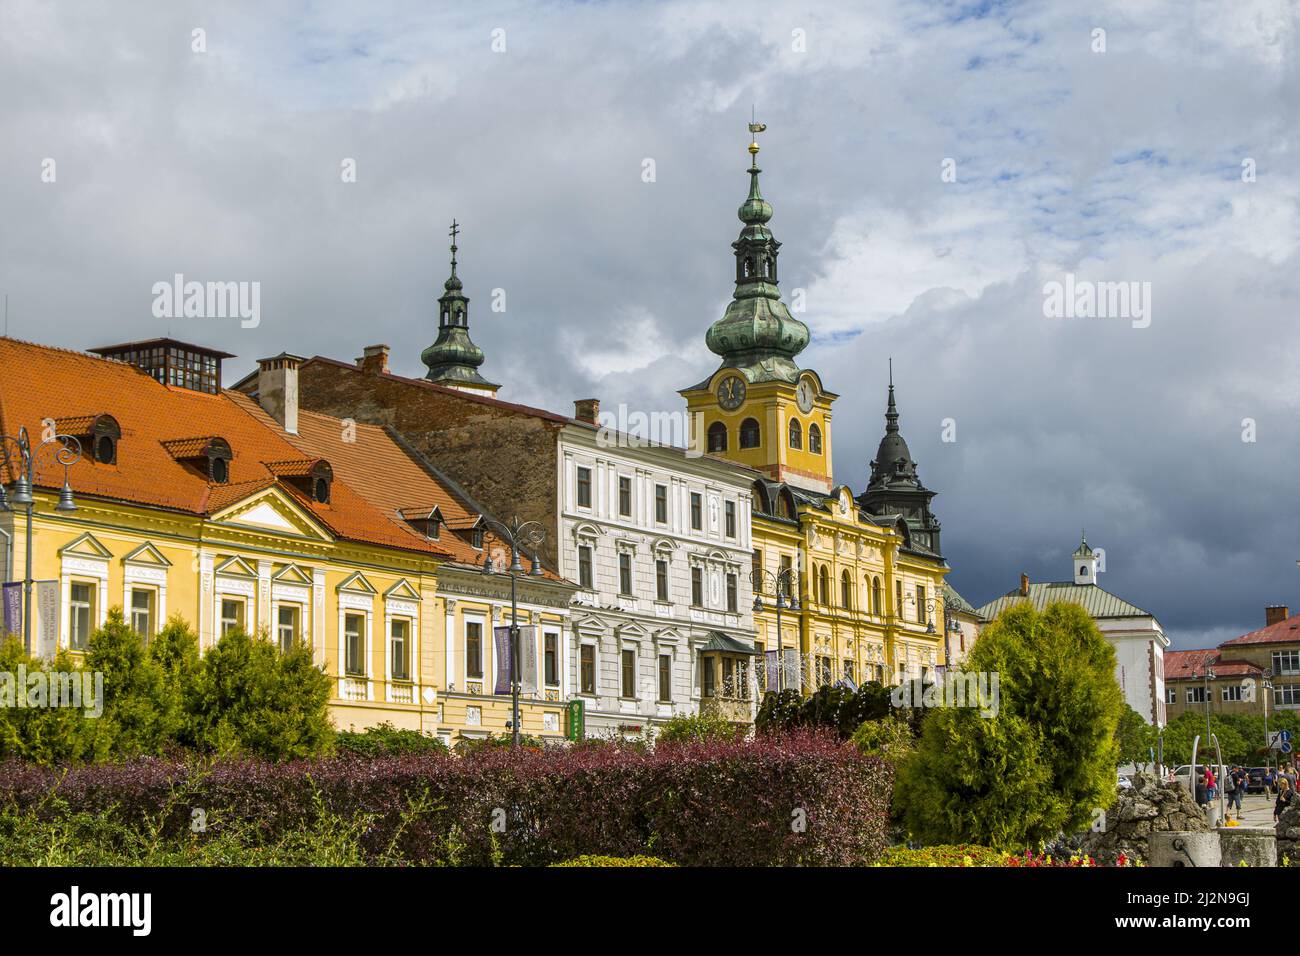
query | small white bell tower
[1085, 563]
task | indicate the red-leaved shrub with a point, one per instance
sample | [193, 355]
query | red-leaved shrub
[775, 801]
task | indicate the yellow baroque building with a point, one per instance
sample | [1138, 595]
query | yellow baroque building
[200, 502]
[856, 581]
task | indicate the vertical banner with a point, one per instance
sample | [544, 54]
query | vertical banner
[792, 678]
[12, 596]
[47, 610]
[501, 639]
[770, 669]
[528, 659]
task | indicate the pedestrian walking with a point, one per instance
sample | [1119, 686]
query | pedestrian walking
[1236, 789]
[1211, 790]
[1284, 797]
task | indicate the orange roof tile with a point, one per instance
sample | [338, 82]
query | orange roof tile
[39, 382]
[1283, 632]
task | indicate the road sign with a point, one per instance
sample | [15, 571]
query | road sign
[1286, 736]
[1278, 739]
[1285, 747]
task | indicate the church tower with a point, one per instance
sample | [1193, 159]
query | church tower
[759, 408]
[1085, 562]
[895, 488]
[453, 359]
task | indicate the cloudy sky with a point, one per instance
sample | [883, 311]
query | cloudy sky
[1162, 151]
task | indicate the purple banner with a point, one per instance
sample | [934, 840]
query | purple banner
[13, 607]
[501, 639]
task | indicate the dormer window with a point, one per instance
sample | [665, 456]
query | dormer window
[105, 450]
[312, 477]
[98, 434]
[220, 471]
[476, 538]
[209, 455]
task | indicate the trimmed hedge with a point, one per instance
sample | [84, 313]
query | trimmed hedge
[779, 801]
[634, 861]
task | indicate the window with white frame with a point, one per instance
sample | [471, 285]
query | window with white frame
[474, 650]
[1286, 662]
[82, 617]
[354, 644]
[1284, 694]
[399, 644]
[1232, 692]
[232, 614]
[551, 659]
[288, 622]
[143, 604]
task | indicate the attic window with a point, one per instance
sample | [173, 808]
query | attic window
[218, 454]
[320, 490]
[105, 450]
[476, 537]
[219, 471]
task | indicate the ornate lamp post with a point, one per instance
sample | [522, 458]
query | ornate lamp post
[521, 536]
[783, 583]
[67, 452]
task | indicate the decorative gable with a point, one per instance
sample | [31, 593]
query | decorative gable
[291, 574]
[147, 554]
[236, 567]
[402, 591]
[86, 546]
[357, 584]
[271, 510]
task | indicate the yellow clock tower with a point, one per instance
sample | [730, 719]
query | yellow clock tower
[759, 408]
[848, 587]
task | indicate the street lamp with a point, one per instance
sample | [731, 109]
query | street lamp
[1267, 684]
[521, 536]
[67, 452]
[784, 585]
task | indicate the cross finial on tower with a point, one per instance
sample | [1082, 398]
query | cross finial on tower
[453, 232]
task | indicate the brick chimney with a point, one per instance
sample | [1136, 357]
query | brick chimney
[1024, 585]
[277, 388]
[1276, 612]
[587, 410]
[374, 360]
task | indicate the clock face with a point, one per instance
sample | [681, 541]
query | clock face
[805, 395]
[731, 392]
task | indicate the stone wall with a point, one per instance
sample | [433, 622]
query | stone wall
[502, 454]
[1288, 834]
[1150, 806]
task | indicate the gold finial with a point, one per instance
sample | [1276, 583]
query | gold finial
[754, 128]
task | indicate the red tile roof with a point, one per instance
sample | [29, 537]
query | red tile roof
[1283, 632]
[1183, 665]
[39, 382]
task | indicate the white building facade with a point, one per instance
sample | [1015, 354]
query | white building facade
[658, 541]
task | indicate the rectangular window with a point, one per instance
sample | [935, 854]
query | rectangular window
[551, 659]
[786, 583]
[697, 512]
[921, 610]
[661, 579]
[142, 612]
[286, 627]
[1232, 693]
[625, 574]
[82, 615]
[473, 649]
[742, 679]
[588, 675]
[232, 615]
[1286, 662]
[708, 676]
[354, 643]
[584, 566]
[665, 678]
[729, 511]
[898, 600]
[401, 650]
[823, 670]
[1171, 695]
[625, 496]
[661, 504]
[629, 673]
[758, 566]
[1286, 694]
[697, 586]
[584, 487]
[848, 672]
[1196, 695]
[731, 593]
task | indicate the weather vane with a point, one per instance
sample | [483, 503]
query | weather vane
[754, 128]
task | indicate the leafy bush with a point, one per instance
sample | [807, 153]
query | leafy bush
[384, 740]
[249, 696]
[965, 854]
[143, 707]
[889, 738]
[832, 708]
[640, 861]
[693, 727]
[1044, 762]
[467, 746]
[44, 734]
[800, 799]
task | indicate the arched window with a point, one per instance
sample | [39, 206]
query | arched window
[846, 591]
[814, 439]
[796, 433]
[877, 596]
[749, 433]
[105, 454]
[717, 437]
[220, 471]
[824, 585]
[1083, 570]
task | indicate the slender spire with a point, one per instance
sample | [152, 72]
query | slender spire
[891, 409]
[454, 359]
[757, 335]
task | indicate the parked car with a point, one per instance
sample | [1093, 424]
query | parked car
[1258, 780]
